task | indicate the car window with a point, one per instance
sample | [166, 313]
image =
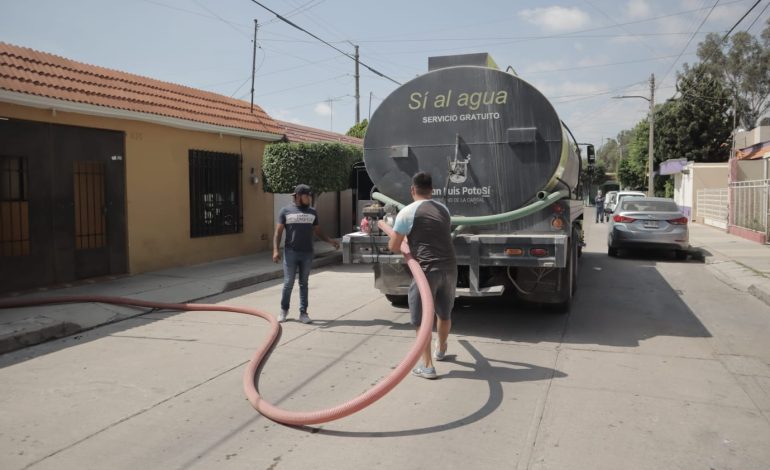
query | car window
[660, 206]
[634, 204]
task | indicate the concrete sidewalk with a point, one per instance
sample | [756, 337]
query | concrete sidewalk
[740, 263]
[22, 327]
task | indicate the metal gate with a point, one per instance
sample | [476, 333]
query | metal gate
[62, 204]
[750, 205]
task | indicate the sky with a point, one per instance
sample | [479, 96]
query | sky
[579, 53]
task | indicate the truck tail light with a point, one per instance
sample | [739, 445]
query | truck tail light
[557, 223]
[538, 252]
[514, 252]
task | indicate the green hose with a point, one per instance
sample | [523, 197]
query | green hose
[544, 200]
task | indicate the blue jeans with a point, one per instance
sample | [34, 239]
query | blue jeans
[292, 261]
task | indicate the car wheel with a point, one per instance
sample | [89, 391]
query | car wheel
[611, 251]
[681, 255]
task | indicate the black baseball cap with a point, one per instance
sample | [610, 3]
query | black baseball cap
[302, 189]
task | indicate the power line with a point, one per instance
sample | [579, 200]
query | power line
[598, 28]
[594, 66]
[758, 16]
[742, 18]
[688, 43]
[377, 72]
[704, 61]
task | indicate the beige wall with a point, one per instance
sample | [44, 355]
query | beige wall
[710, 175]
[157, 190]
[751, 170]
[707, 176]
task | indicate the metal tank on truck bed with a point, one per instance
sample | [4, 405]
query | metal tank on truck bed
[501, 161]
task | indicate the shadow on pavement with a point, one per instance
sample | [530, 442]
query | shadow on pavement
[481, 368]
[619, 302]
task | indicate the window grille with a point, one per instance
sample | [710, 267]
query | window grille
[14, 207]
[215, 193]
[90, 208]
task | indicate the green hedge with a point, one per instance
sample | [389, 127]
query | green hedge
[324, 166]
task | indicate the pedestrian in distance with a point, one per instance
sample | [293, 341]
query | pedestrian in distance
[426, 226]
[599, 203]
[300, 222]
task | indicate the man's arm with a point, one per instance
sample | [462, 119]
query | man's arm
[277, 242]
[394, 244]
[320, 234]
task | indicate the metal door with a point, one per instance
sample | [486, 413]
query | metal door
[62, 204]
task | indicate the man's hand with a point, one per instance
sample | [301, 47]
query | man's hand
[335, 244]
[276, 256]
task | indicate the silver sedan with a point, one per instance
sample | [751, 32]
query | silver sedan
[648, 222]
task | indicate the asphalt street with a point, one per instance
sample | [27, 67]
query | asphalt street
[660, 364]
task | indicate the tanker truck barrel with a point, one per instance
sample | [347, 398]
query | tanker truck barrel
[491, 141]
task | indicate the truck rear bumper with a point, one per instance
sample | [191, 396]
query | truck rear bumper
[473, 251]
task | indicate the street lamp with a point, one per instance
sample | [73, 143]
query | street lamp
[650, 150]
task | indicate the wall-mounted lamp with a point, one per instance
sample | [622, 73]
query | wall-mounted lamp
[253, 178]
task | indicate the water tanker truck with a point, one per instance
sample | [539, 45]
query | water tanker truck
[503, 163]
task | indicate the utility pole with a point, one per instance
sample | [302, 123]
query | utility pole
[651, 143]
[651, 151]
[254, 64]
[358, 95]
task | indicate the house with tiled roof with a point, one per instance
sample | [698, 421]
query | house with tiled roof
[298, 133]
[104, 172]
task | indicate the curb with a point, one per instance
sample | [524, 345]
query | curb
[715, 259]
[760, 293]
[62, 329]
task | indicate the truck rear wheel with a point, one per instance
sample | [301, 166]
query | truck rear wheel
[569, 276]
[398, 300]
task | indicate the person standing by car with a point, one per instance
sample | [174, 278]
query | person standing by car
[300, 222]
[599, 203]
[426, 225]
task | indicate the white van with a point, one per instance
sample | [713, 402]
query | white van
[614, 198]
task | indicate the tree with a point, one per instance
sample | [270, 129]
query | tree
[358, 130]
[324, 166]
[744, 67]
[609, 155]
[593, 175]
[696, 126]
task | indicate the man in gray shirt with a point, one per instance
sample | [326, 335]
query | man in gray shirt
[426, 225]
[300, 221]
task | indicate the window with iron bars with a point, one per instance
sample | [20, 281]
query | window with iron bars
[14, 207]
[215, 193]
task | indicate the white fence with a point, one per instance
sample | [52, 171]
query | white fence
[712, 207]
[750, 204]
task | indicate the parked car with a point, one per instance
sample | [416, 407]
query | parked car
[648, 222]
[610, 203]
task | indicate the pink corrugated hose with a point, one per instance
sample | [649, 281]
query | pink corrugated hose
[251, 374]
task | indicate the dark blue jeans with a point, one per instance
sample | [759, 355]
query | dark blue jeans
[292, 262]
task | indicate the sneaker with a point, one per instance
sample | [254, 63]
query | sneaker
[304, 318]
[425, 372]
[438, 354]
[282, 316]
